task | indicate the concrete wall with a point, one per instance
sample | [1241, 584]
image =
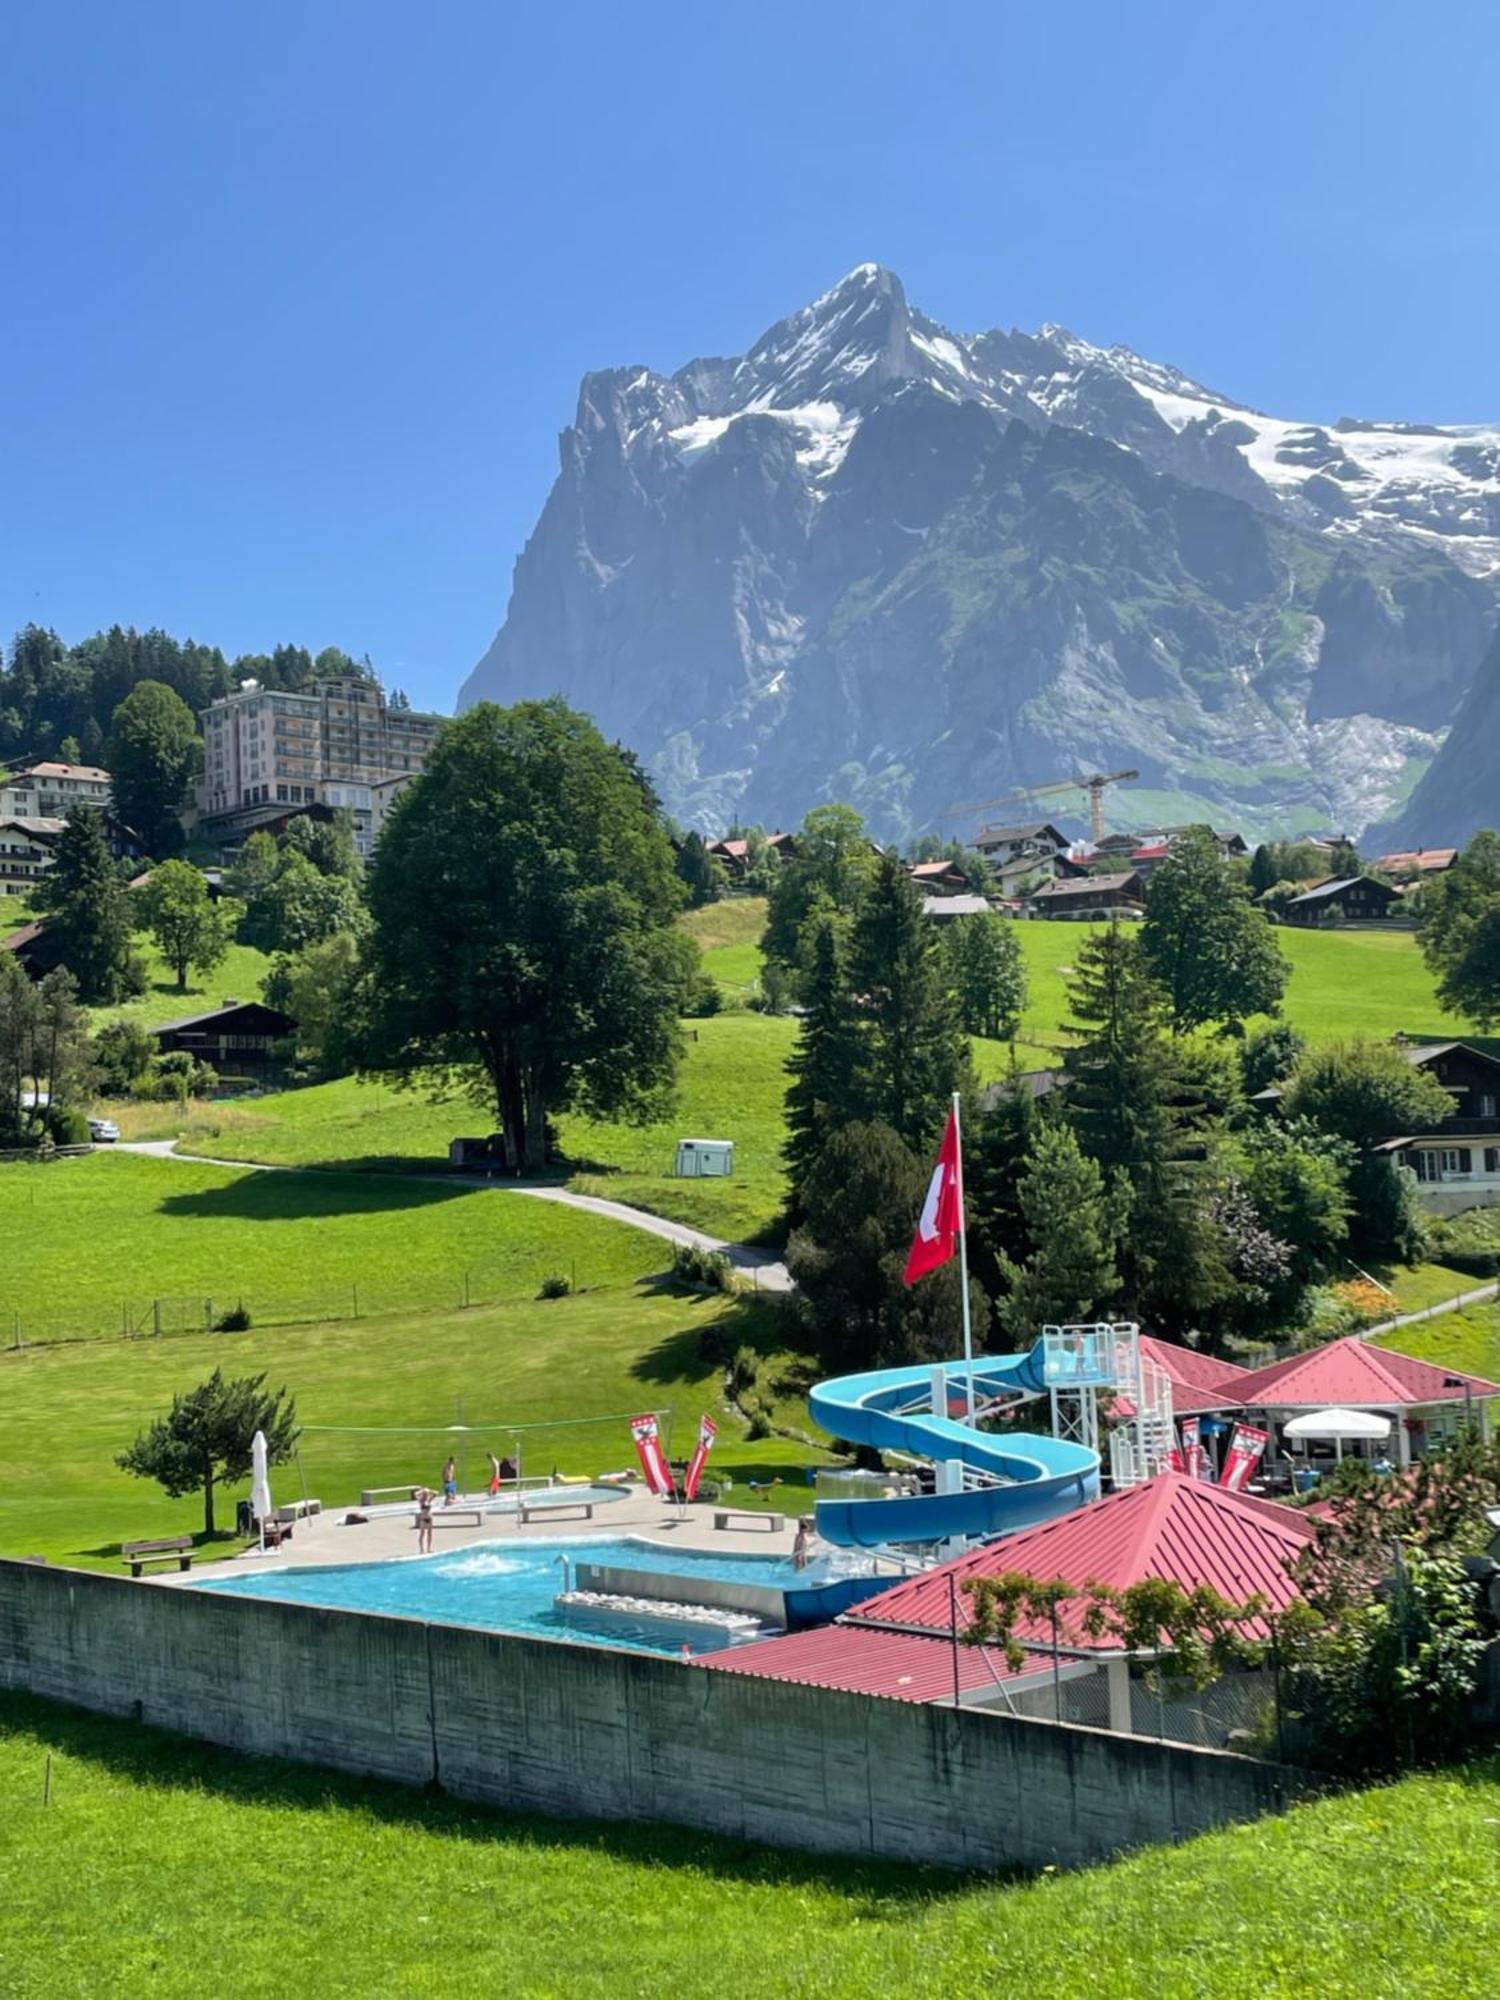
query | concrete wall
[589, 1731]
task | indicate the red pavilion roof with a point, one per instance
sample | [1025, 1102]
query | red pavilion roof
[1353, 1374]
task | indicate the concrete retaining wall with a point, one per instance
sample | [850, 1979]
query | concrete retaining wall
[589, 1731]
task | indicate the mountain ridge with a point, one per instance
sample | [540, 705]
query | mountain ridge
[743, 565]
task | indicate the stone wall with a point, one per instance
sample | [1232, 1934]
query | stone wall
[589, 1731]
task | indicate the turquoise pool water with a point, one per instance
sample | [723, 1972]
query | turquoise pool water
[502, 1586]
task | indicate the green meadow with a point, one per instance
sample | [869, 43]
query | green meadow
[575, 1368]
[153, 1859]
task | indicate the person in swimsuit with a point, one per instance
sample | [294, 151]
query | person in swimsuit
[450, 1483]
[801, 1544]
[424, 1520]
[495, 1474]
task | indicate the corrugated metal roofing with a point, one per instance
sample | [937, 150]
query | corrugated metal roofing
[1172, 1526]
[902, 1666]
[1200, 1382]
[1353, 1374]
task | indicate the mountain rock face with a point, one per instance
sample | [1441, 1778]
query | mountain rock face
[874, 560]
[1461, 790]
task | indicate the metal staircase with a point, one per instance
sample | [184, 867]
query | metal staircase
[1083, 1363]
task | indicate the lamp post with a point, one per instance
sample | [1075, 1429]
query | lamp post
[1463, 1382]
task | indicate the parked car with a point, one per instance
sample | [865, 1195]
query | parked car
[103, 1131]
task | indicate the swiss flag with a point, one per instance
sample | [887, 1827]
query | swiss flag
[942, 1212]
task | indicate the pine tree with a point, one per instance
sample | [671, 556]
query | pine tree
[88, 916]
[825, 1067]
[1000, 1144]
[1126, 1104]
[915, 1052]
[987, 973]
[1075, 1216]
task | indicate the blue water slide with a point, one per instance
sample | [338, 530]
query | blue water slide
[1037, 1477]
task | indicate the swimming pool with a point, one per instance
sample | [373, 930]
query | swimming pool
[505, 1586]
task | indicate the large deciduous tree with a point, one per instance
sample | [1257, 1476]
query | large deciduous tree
[1460, 931]
[827, 875]
[1215, 957]
[189, 927]
[154, 756]
[88, 913]
[523, 936]
[987, 973]
[205, 1439]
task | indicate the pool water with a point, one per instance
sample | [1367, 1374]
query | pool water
[503, 1586]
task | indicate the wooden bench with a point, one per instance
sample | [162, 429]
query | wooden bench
[275, 1532]
[775, 1522]
[540, 1509]
[170, 1548]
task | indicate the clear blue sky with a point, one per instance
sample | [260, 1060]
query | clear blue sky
[298, 292]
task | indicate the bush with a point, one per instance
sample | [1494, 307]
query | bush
[716, 1345]
[744, 1369]
[704, 1269]
[68, 1126]
[705, 998]
[236, 1320]
[555, 1287]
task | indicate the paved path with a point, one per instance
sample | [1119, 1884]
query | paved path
[764, 1270]
[1455, 1304]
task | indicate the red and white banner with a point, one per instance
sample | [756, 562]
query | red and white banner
[941, 1219]
[1245, 1448]
[647, 1434]
[1192, 1448]
[708, 1430]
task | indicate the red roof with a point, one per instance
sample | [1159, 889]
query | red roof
[1353, 1374]
[45, 768]
[1172, 1526]
[902, 1666]
[1200, 1382]
[1153, 850]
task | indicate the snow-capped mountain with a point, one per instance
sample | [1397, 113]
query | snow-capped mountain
[876, 559]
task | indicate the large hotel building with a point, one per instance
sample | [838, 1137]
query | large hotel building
[267, 753]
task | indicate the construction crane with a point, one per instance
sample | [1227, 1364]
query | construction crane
[1093, 786]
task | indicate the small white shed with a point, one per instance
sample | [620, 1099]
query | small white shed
[698, 1158]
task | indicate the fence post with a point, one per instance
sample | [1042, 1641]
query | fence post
[466, 1290]
[354, 1289]
[156, 1316]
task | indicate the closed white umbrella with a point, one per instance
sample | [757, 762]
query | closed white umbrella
[1339, 1425]
[260, 1484]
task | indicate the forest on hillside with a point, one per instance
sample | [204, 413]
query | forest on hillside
[57, 700]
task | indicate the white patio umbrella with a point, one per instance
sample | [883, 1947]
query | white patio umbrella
[1341, 1426]
[260, 1485]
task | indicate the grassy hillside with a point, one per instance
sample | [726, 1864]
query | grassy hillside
[297, 1880]
[238, 978]
[69, 1409]
[88, 1243]
[732, 1086]
[1469, 1340]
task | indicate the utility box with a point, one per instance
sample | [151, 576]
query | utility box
[697, 1159]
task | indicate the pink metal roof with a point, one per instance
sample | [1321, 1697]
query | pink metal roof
[902, 1666]
[1352, 1373]
[1200, 1382]
[1172, 1526]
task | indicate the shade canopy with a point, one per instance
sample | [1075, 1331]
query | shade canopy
[260, 1483]
[1339, 1424]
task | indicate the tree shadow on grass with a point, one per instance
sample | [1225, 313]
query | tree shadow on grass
[283, 1197]
[150, 1758]
[685, 1355]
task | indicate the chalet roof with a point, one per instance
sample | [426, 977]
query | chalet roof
[1169, 1527]
[1125, 883]
[45, 768]
[20, 939]
[37, 826]
[1351, 1374]
[1424, 860]
[1027, 830]
[279, 1023]
[1418, 1053]
[933, 871]
[940, 907]
[1322, 891]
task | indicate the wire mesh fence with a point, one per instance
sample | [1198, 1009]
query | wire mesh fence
[230, 1308]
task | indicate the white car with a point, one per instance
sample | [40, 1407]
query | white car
[103, 1131]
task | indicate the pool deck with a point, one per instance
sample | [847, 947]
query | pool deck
[324, 1538]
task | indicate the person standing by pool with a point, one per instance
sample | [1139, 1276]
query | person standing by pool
[450, 1482]
[424, 1520]
[800, 1547]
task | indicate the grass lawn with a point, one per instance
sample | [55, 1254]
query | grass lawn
[86, 1244]
[1468, 1341]
[237, 977]
[1420, 1285]
[728, 935]
[157, 1858]
[731, 1087]
[69, 1409]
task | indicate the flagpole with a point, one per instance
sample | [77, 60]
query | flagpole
[963, 1264]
